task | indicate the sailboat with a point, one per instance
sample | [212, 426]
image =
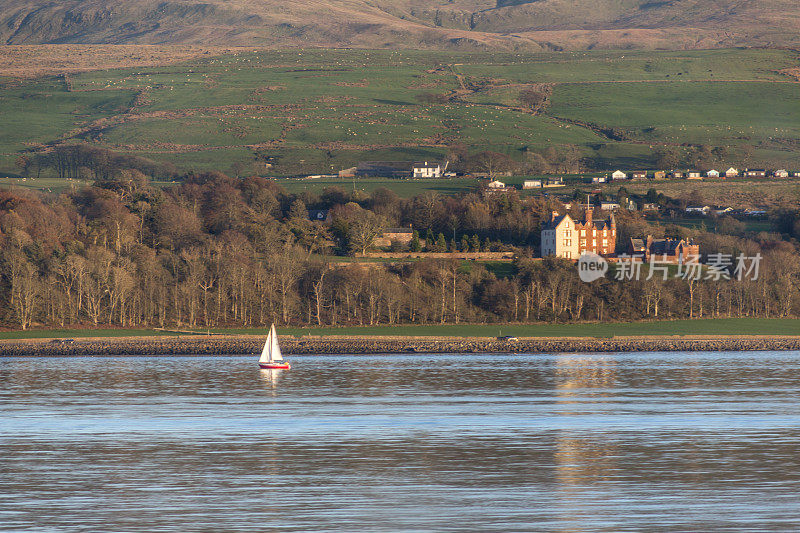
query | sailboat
[271, 354]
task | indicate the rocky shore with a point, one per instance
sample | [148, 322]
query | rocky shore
[239, 345]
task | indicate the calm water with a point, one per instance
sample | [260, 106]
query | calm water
[633, 442]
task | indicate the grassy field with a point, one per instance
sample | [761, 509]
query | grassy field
[725, 326]
[322, 110]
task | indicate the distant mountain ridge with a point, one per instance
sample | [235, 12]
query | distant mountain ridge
[433, 24]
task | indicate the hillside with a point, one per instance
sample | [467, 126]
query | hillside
[434, 24]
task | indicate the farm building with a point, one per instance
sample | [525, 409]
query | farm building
[609, 206]
[497, 186]
[659, 175]
[755, 173]
[619, 175]
[698, 209]
[781, 173]
[712, 173]
[638, 175]
[731, 173]
[532, 184]
[694, 175]
[401, 235]
[554, 183]
[676, 174]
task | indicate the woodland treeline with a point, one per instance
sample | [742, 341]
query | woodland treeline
[215, 251]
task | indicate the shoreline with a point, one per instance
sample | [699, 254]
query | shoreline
[347, 345]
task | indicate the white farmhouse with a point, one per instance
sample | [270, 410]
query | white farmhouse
[427, 170]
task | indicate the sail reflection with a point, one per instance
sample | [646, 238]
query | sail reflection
[270, 377]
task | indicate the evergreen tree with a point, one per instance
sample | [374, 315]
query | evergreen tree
[475, 243]
[429, 240]
[415, 245]
[441, 244]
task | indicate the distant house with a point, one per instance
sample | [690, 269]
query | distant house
[796, 174]
[497, 186]
[754, 212]
[781, 173]
[712, 173]
[698, 209]
[609, 206]
[427, 170]
[319, 215]
[599, 179]
[348, 172]
[619, 175]
[694, 175]
[401, 235]
[676, 174]
[638, 175]
[554, 183]
[659, 175]
[731, 173]
[532, 184]
[664, 250]
[755, 173]
[650, 207]
[722, 210]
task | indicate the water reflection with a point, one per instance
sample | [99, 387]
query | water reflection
[270, 377]
[667, 442]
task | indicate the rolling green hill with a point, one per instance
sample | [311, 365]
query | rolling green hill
[316, 111]
[434, 24]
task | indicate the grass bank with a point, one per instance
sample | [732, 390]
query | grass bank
[721, 326]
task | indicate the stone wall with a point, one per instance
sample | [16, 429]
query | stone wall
[239, 345]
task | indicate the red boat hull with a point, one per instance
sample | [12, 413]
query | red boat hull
[274, 365]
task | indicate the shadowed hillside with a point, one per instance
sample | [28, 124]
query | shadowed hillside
[437, 24]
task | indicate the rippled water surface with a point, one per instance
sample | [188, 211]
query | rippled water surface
[633, 442]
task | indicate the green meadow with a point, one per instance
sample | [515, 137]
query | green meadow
[720, 326]
[317, 111]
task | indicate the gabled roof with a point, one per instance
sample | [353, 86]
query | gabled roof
[425, 164]
[554, 222]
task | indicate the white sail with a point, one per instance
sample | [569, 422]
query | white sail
[275, 350]
[271, 351]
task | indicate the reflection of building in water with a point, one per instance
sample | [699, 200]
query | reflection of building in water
[584, 373]
[581, 459]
